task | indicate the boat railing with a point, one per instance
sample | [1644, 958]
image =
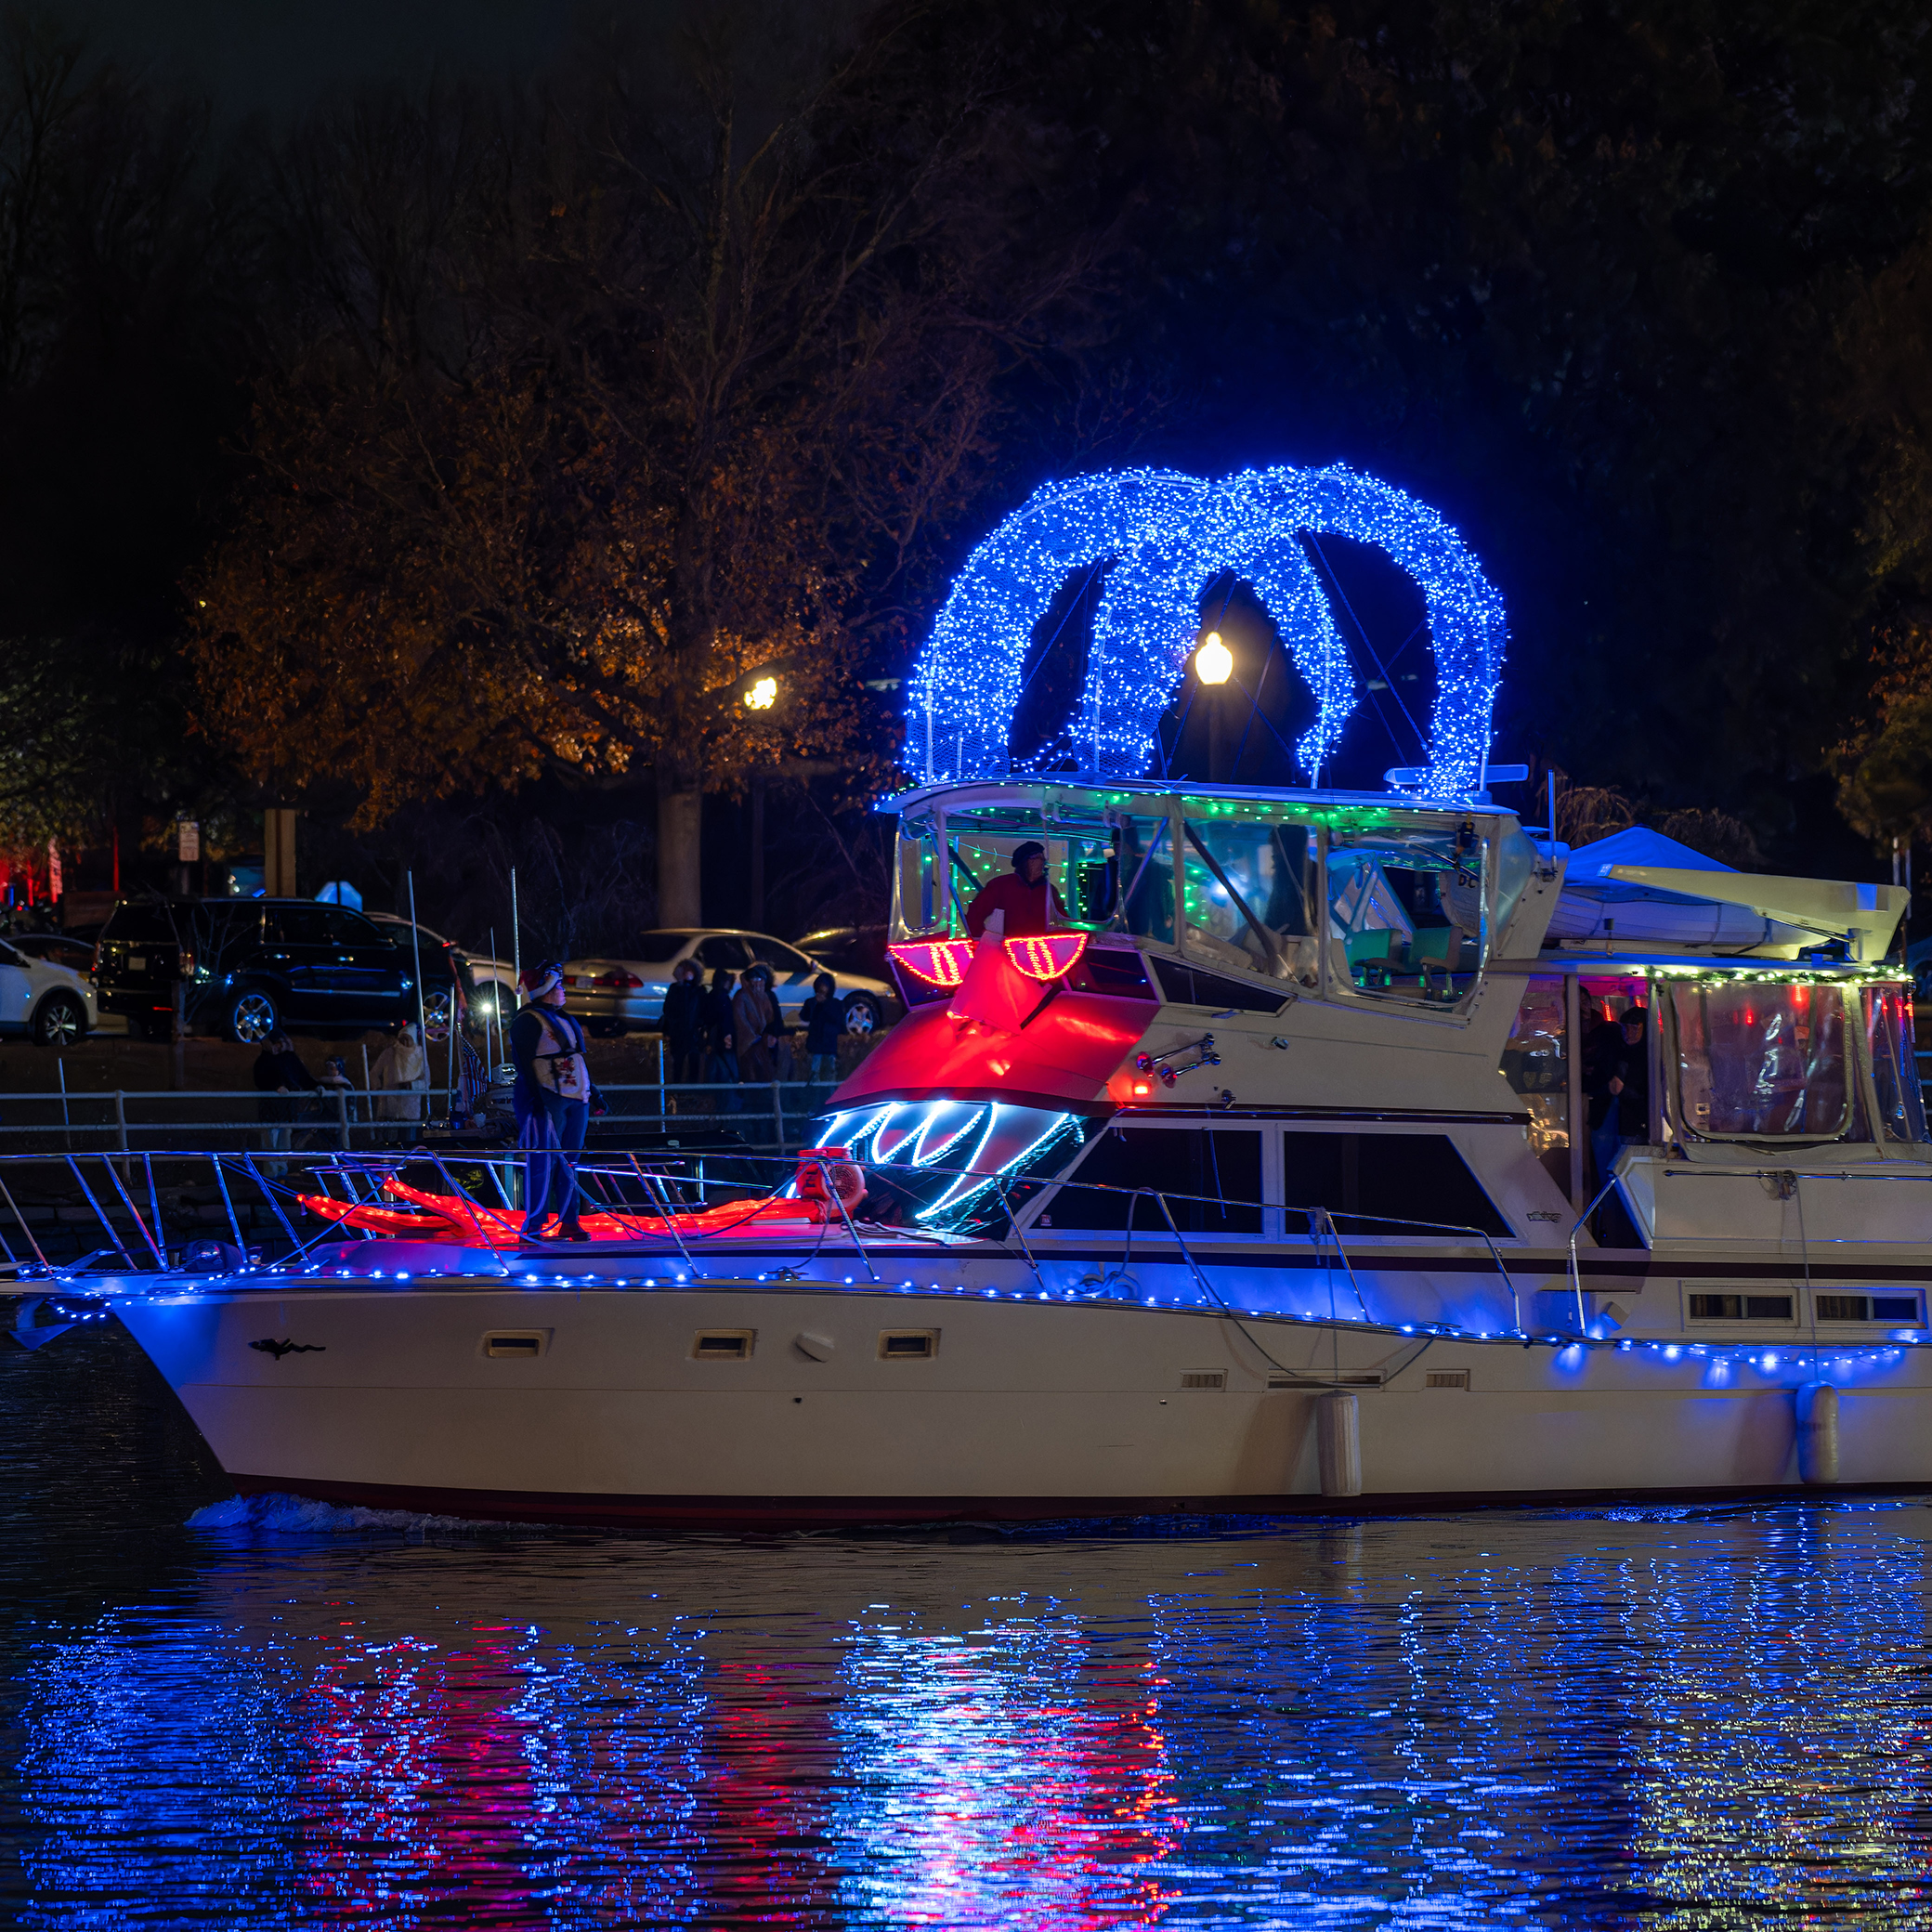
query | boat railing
[140, 1212]
[1575, 1266]
[775, 1114]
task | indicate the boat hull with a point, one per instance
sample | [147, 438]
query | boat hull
[1024, 1410]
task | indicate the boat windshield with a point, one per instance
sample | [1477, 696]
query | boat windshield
[920, 899]
[1411, 908]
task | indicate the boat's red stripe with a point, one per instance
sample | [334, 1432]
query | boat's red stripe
[732, 1513]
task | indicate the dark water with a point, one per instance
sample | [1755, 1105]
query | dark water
[1685, 1719]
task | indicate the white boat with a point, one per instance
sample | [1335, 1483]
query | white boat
[1262, 1183]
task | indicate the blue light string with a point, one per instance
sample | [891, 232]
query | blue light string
[1168, 536]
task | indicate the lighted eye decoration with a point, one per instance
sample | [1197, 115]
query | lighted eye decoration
[939, 963]
[1047, 956]
[1164, 536]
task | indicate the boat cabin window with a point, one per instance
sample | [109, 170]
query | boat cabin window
[1409, 911]
[1414, 911]
[1902, 1107]
[1398, 1185]
[920, 897]
[1761, 1061]
[1246, 889]
[1083, 863]
[1143, 878]
[1212, 1177]
[1537, 1064]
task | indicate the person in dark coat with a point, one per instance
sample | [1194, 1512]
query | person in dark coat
[720, 1058]
[281, 1079]
[825, 1026]
[683, 1020]
[1632, 1082]
[1616, 1076]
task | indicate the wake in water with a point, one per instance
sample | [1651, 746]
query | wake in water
[300, 1516]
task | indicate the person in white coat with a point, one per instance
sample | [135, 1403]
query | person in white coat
[400, 1076]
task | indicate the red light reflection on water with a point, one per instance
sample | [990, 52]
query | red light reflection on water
[988, 1784]
[417, 1777]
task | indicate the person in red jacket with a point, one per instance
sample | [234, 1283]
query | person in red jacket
[1021, 898]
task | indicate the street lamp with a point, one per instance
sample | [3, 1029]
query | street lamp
[763, 695]
[1214, 664]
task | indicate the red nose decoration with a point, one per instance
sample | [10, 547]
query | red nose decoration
[940, 962]
[1047, 956]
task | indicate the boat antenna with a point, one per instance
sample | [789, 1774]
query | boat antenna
[416, 941]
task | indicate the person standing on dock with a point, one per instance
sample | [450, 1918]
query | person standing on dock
[401, 1073]
[754, 1021]
[280, 1078]
[683, 1020]
[1021, 901]
[720, 1051]
[552, 1101]
[825, 1025]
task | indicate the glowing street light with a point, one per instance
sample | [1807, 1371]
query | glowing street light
[1214, 663]
[763, 695]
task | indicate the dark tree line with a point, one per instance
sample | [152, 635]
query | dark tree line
[457, 457]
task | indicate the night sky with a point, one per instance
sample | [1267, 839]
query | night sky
[276, 57]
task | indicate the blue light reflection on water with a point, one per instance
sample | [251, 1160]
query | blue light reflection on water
[1670, 1717]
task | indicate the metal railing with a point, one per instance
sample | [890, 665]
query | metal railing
[143, 1211]
[769, 1113]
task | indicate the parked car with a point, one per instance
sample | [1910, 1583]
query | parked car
[61, 949]
[446, 979]
[613, 995]
[251, 965]
[859, 949]
[50, 1003]
[496, 998]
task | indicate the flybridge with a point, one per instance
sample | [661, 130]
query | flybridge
[1309, 891]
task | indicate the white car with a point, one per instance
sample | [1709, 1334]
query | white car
[496, 998]
[52, 1004]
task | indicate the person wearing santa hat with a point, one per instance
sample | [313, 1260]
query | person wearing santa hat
[551, 1097]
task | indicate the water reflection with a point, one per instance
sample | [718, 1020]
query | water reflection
[1658, 1718]
[1018, 1771]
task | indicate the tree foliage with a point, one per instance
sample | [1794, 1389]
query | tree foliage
[608, 399]
[125, 270]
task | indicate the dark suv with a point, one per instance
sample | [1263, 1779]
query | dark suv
[253, 965]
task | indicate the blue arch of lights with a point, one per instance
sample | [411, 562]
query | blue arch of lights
[1166, 536]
